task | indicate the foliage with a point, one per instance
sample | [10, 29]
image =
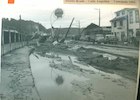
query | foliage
[22, 26]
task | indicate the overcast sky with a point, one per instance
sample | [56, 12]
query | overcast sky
[40, 11]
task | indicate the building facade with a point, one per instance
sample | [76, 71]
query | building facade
[94, 32]
[126, 24]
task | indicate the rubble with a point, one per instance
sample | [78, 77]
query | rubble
[112, 65]
[125, 66]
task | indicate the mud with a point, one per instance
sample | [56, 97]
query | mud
[67, 71]
[101, 75]
[17, 81]
[81, 81]
[122, 65]
[127, 67]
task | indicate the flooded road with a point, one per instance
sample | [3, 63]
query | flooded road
[82, 82]
[45, 80]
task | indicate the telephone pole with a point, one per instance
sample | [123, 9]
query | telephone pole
[79, 27]
[99, 11]
[99, 17]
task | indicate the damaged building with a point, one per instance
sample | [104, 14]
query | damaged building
[94, 32]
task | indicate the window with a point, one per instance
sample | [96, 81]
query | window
[122, 36]
[118, 13]
[138, 32]
[131, 16]
[121, 23]
[17, 38]
[6, 37]
[137, 16]
[115, 24]
[12, 37]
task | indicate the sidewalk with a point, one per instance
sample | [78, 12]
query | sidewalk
[17, 80]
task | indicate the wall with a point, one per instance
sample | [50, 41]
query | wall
[119, 29]
[9, 45]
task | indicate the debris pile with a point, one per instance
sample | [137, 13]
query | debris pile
[123, 65]
[103, 61]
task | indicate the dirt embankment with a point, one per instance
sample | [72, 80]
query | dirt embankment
[126, 67]
[49, 48]
[17, 80]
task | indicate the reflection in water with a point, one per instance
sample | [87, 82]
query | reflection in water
[59, 80]
[45, 78]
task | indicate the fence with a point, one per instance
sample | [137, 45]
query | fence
[10, 40]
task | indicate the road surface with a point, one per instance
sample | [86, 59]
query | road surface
[80, 83]
[112, 50]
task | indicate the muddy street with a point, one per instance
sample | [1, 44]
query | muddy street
[61, 50]
[116, 50]
[61, 77]
[67, 72]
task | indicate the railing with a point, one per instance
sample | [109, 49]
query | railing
[10, 40]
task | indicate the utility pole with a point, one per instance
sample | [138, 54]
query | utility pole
[21, 37]
[61, 41]
[99, 17]
[99, 11]
[127, 26]
[79, 27]
[79, 31]
[19, 17]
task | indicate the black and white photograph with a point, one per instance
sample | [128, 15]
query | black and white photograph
[56, 51]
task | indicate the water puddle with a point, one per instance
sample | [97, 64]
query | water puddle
[70, 79]
[45, 79]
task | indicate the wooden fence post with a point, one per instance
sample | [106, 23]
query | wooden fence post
[10, 40]
[2, 42]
